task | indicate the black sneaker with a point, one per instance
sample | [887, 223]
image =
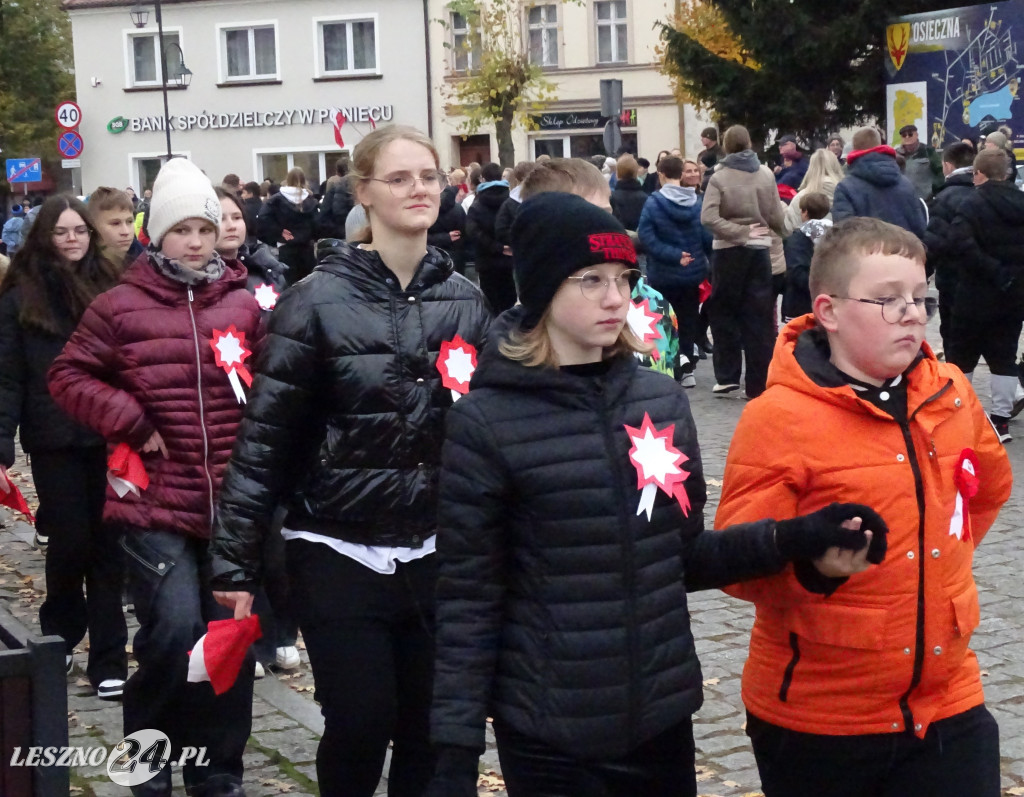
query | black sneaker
[1002, 427]
[726, 388]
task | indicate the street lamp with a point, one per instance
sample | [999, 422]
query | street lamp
[182, 74]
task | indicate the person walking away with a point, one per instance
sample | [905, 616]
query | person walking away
[799, 250]
[49, 284]
[676, 244]
[12, 230]
[510, 207]
[867, 684]
[337, 203]
[740, 206]
[344, 427]
[288, 221]
[493, 258]
[628, 197]
[988, 308]
[537, 487]
[943, 259]
[155, 364]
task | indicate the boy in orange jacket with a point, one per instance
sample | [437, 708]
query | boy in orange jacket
[867, 685]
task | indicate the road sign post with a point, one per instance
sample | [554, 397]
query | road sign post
[23, 170]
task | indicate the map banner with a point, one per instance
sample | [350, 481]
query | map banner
[955, 73]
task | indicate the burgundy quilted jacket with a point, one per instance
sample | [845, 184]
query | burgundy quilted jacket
[141, 361]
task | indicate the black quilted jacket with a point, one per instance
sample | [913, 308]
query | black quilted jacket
[559, 609]
[345, 418]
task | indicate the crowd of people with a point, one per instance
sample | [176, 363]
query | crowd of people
[403, 413]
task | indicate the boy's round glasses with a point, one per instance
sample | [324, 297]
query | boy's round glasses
[402, 185]
[593, 285]
[895, 307]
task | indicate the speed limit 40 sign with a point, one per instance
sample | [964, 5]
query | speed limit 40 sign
[68, 115]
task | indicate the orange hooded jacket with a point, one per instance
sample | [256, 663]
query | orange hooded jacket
[888, 650]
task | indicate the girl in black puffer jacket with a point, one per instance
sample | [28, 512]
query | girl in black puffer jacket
[562, 588]
[343, 427]
[288, 220]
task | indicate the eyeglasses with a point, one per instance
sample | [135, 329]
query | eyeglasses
[594, 286]
[72, 232]
[895, 307]
[402, 185]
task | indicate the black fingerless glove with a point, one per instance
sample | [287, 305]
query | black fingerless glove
[456, 773]
[809, 536]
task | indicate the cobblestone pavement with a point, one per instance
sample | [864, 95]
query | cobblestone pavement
[287, 723]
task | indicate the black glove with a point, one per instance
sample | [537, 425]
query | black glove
[456, 772]
[809, 536]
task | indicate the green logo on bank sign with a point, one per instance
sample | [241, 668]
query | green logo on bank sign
[117, 125]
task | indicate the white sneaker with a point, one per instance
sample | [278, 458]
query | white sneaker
[110, 689]
[41, 541]
[287, 658]
[260, 672]
[688, 380]
[69, 663]
[729, 387]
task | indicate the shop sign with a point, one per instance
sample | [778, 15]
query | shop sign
[582, 120]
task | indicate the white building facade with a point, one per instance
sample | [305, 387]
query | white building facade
[268, 81]
[578, 45]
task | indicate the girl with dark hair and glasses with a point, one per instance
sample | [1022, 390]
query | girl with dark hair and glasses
[52, 279]
[571, 527]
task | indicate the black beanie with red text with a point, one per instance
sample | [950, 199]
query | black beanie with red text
[554, 236]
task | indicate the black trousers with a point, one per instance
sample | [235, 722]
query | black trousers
[300, 259]
[499, 288]
[993, 338]
[742, 319]
[660, 767]
[958, 757]
[370, 642]
[83, 552]
[685, 301]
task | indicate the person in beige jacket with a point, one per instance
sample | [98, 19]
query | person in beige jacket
[741, 207]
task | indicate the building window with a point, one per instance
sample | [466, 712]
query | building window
[578, 145]
[249, 53]
[543, 31]
[465, 45]
[143, 58]
[611, 31]
[317, 165]
[347, 46]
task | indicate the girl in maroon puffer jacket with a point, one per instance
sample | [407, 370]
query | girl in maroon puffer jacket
[158, 363]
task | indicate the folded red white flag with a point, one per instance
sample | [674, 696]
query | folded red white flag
[11, 496]
[217, 656]
[125, 472]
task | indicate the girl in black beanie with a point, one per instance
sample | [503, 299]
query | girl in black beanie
[571, 528]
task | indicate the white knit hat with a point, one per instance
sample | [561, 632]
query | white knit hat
[181, 191]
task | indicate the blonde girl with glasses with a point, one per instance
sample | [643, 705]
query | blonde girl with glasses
[571, 527]
[344, 428]
[52, 279]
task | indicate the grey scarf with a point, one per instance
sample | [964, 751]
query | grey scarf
[173, 270]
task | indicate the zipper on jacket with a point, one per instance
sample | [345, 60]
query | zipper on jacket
[787, 678]
[626, 545]
[202, 413]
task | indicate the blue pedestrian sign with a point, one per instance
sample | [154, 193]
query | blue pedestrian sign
[70, 144]
[24, 170]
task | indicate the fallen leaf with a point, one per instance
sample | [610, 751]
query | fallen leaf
[712, 681]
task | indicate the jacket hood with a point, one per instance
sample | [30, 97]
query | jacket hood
[1004, 200]
[815, 229]
[680, 195]
[294, 194]
[495, 370]
[745, 161]
[516, 193]
[877, 168]
[958, 178]
[143, 275]
[801, 362]
[494, 197]
[447, 199]
[365, 269]
[629, 185]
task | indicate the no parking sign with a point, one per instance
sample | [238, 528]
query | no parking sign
[70, 144]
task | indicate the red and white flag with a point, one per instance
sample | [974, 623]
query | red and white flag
[965, 478]
[11, 496]
[338, 120]
[657, 464]
[125, 471]
[456, 362]
[218, 654]
[230, 351]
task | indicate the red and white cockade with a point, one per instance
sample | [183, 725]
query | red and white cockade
[965, 477]
[657, 464]
[230, 351]
[125, 472]
[266, 296]
[456, 362]
[643, 322]
[11, 496]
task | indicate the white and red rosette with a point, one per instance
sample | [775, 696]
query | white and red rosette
[456, 362]
[218, 654]
[229, 349]
[125, 471]
[965, 479]
[657, 464]
[266, 296]
[643, 322]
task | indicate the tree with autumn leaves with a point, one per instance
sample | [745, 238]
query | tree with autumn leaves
[805, 66]
[502, 87]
